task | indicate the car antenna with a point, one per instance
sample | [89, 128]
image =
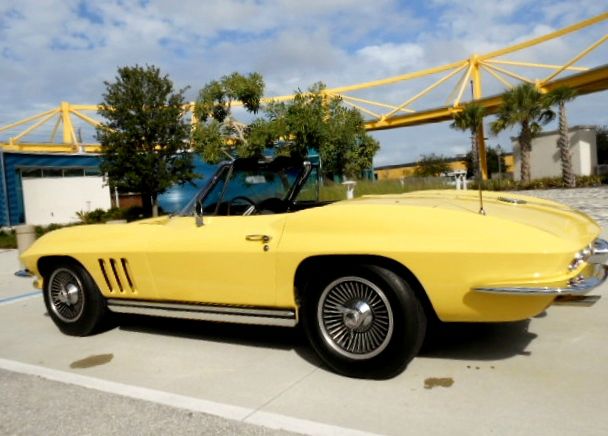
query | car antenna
[478, 153]
[481, 209]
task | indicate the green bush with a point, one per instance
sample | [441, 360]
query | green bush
[544, 183]
[8, 239]
[99, 216]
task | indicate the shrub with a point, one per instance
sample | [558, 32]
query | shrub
[8, 239]
[544, 183]
[99, 216]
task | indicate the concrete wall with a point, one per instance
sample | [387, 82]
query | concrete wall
[545, 158]
[56, 200]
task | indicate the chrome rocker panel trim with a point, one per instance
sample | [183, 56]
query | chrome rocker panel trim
[576, 286]
[205, 312]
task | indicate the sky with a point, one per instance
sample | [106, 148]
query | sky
[64, 50]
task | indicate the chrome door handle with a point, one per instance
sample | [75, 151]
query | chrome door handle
[261, 238]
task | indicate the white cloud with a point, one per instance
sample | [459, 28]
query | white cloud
[392, 58]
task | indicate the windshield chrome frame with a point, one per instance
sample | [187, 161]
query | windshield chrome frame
[303, 174]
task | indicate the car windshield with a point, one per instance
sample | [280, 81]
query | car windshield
[245, 183]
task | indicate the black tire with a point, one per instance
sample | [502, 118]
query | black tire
[73, 300]
[375, 309]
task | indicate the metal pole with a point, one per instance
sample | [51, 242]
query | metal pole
[479, 175]
[7, 217]
[499, 154]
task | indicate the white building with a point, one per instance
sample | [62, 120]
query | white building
[45, 188]
[545, 159]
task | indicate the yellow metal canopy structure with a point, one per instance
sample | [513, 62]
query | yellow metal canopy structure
[452, 79]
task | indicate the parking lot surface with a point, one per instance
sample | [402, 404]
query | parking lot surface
[547, 375]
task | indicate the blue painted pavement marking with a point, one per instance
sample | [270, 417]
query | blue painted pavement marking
[16, 298]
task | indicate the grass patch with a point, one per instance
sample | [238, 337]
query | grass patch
[335, 191]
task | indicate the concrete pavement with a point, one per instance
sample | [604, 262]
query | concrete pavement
[547, 375]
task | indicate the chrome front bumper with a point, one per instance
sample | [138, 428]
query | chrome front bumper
[596, 273]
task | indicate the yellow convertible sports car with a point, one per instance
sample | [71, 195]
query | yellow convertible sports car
[362, 276]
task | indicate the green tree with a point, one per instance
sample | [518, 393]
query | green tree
[492, 160]
[216, 132]
[523, 106]
[144, 137]
[316, 121]
[560, 96]
[431, 165]
[470, 118]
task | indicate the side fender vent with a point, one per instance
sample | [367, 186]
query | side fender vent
[117, 275]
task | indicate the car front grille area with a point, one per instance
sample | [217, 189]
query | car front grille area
[117, 275]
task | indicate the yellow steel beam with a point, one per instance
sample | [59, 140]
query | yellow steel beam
[28, 119]
[84, 107]
[587, 82]
[54, 132]
[508, 73]
[463, 84]
[535, 41]
[395, 79]
[505, 82]
[33, 127]
[370, 102]
[576, 58]
[593, 80]
[362, 109]
[425, 91]
[534, 65]
[49, 148]
[69, 136]
[481, 141]
[86, 118]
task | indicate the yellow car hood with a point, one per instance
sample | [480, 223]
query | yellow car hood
[548, 216]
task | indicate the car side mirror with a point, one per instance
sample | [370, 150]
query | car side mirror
[198, 214]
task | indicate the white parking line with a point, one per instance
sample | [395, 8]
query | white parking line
[21, 297]
[243, 414]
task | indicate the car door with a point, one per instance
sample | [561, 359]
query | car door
[228, 260]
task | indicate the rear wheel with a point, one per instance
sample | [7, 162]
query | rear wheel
[364, 321]
[73, 300]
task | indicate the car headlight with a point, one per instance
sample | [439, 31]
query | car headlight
[580, 257]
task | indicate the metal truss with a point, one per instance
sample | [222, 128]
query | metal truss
[455, 76]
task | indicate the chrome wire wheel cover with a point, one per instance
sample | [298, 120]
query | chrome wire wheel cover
[355, 317]
[66, 295]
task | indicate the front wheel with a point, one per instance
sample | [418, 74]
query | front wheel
[73, 300]
[364, 321]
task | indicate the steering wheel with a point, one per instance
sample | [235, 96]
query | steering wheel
[249, 210]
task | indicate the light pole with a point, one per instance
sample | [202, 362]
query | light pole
[499, 154]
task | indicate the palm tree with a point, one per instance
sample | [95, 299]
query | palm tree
[559, 97]
[524, 106]
[471, 118]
